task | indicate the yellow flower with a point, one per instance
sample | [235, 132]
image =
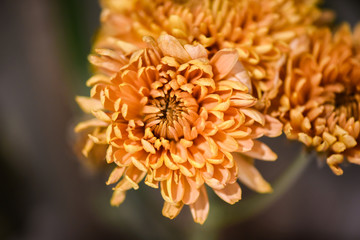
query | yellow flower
[259, 30]
[320, 105]
[175, 116]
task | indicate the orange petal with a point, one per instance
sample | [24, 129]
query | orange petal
[169, 162]
[175, 187]
[171, 210]
[162, 173]
[223, 62]
[191, 193]
[218, 178]
[195, 157]
[354, 154]
[261, 151]
[333, 161]
[109, 154]
[121, 157]
[231, 193]
[164, 191]
[139, 160]
[134, 176]
[115, 175]
[148, 146]
[273, 127]
[149, 180]
[250, 176]
[225, 142]
[187, 169]
[253, 114]
[245, 145]
[132, 146]
[233, 84]
[118, 197]
[200, 209]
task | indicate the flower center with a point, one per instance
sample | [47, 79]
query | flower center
[170, 108]
[164, 120]
[348, 104]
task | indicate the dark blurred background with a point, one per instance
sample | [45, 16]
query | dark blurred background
[46, 193]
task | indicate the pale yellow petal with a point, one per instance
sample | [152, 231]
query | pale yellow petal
[89, 124]
[89, 104]
[170, 46]
[197, 51]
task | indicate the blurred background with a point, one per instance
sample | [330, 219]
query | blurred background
[46, 193]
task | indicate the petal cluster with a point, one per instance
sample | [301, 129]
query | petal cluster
[320, 104]
[174, 116]
[260, 31]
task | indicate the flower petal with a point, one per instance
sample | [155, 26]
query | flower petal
[354, 154]
[115, 175]
[225, 142]
[250, 176]
[191, 193]
[231, 193]
[273, 127]
[200, 209]
[89, 104]
[223, 62]
[170, 46]
[90, 123]
[118, 197]
[261, 151]
[196, 52]
[239, 73]
[253, 114]
[171, 210]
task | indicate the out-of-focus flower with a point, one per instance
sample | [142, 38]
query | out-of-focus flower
[175, 116]
[320, 105]
[87, 145]
[259, 30]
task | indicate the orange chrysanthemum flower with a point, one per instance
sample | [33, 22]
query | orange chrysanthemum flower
[259, 30]
[175, 116]
[320, 105]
